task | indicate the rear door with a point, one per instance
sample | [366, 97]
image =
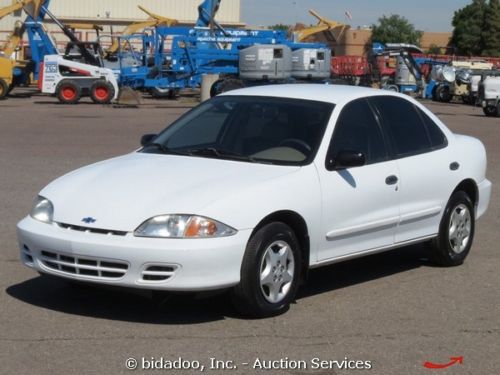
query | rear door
[421, 151]
[360, 205]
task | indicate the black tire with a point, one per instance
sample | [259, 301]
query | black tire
[491, 111]
[443, 252]
[392, 88]
[214, 90]
[466, 99]
[443, 94]
[225, 85]
[102, 92]
[160, 93]
[250, 297]
[68, 92]
[4, 89]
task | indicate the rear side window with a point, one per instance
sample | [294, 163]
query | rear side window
[437, 137]
[404, 124]
[357, 129]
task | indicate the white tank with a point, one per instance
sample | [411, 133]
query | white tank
[311, 63]
[266, 62]
[403, 74]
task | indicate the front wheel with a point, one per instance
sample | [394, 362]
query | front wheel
[270, 272]
[4, 89]
[162, 93]
[443, 94]
[491, 110]
[68, 92]
[456, 231]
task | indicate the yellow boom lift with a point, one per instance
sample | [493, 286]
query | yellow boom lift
[154, 20]
[324, 25]
[6, 63]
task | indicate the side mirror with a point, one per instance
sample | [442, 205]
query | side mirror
[346, 159]
[146, 139]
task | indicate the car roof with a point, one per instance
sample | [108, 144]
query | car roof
[320, 92]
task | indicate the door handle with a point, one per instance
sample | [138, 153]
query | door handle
[391, 180]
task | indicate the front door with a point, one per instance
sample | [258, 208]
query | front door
[360, 205]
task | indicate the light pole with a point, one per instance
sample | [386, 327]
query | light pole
[108, 15]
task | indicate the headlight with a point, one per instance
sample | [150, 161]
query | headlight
[42, 210]
[183, 226]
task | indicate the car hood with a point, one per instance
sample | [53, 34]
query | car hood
[123, 192]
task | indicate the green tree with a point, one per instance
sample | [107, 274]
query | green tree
[279, 27]
[434, 49]
[491, 31]
[468, 24]
[395, 29]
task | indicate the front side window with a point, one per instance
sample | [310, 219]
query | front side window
[403, 123]
[358, 130]
[249, 128]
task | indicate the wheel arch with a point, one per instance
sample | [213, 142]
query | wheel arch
[469, 186]
[299, 226]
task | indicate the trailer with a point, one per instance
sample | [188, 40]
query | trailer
[489, 93]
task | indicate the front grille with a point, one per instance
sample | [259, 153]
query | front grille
[158, 272]
[92, 230]
[76, 265]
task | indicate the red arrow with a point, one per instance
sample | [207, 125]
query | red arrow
[454, 360]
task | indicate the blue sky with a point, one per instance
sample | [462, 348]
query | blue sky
[427, 15]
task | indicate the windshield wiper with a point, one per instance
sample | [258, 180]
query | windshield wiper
[221, 154]
[164, 149]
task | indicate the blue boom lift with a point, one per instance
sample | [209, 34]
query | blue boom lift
[172, 58]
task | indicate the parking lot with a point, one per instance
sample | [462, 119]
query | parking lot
[395, 309]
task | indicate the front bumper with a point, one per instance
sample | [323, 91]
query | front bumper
[147, 263]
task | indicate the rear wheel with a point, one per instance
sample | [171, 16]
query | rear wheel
[456, 231]
[102, 92]
[270, 272]
[4, 89]
[491, 110]
[392, 88]
[68, 92]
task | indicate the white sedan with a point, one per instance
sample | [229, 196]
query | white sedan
[255, 187]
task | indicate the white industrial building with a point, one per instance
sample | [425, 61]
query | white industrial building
[119, 13]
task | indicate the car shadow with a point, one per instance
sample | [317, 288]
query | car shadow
[365, 269]
[139, 306]
[119, 303]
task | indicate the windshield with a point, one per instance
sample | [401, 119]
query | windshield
[248, 128]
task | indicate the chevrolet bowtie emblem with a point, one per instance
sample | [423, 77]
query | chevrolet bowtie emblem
[89, 220]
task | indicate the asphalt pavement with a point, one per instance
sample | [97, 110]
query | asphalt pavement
[392, 311]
